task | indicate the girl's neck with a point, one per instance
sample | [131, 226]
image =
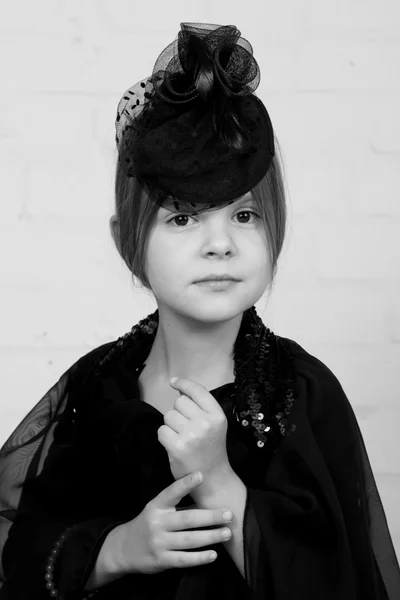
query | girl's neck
[199, 350]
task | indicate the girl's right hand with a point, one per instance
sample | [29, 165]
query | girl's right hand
[158, 538]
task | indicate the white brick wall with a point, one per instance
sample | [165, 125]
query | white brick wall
[330, 81]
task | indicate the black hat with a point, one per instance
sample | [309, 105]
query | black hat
[194, 132]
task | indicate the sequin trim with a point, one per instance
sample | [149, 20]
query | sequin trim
[263, 369]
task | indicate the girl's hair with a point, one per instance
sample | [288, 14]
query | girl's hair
[136, 212]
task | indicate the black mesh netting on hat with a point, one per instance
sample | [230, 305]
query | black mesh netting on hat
[194, 132]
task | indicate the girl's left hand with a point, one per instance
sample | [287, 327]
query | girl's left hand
[194, 434]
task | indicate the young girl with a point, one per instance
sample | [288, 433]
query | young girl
[247, 477]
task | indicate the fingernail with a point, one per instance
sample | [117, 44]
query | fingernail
[227, 515]
[173, 379]
[226, 534]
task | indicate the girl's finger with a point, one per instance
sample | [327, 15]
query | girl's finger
[167, 437]
[184, 560]
[175, 420]
[197, 393]
[187, 407]
[186, 540]
[196, 518]
[173, 494]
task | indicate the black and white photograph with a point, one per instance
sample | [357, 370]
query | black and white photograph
[200, 300]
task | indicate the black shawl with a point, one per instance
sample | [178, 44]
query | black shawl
[86, 458]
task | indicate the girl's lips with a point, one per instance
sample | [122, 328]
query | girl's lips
[215, 284]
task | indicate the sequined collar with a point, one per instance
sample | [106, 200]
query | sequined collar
[263, 368]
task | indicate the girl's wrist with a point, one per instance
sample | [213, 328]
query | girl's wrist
[208, 493]
[109, 564]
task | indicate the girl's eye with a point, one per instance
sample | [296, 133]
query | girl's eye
[242, 212]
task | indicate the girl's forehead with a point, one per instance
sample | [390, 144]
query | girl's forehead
[247, 197]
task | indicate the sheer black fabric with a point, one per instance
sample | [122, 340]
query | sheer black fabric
[314, 524]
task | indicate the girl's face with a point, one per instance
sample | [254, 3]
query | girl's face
[183, 249]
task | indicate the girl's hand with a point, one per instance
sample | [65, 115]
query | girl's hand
[158, 539]
[194, 435]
